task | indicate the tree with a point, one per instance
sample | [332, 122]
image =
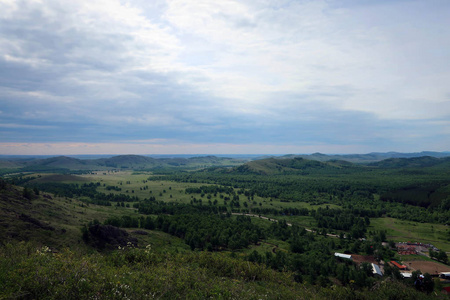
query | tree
[428, 283]
[149, 223]
[442, 256]
[27, 193]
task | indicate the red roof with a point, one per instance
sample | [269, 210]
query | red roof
[398, 265]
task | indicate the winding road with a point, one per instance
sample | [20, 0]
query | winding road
[275, 220]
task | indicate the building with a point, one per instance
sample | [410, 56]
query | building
[406, 274]
[344, 256]
[399, 266]
[376, 270]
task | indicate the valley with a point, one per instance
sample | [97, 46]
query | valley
[278, 220]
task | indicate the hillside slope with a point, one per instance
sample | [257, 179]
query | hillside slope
[414, 162]
[48, 220]
[369, 157]
[298, 165]
[129, 162]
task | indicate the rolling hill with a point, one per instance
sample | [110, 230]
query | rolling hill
[297, 165]
[414, 162]
[127, 162]
[369, 157]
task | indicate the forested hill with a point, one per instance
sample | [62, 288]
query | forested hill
[415, 162]
[369, 157]
[289, 165]
[132, 162]
[301, 166]
[298, 165]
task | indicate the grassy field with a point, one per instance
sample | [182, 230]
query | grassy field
[404, 231]
[137, 184]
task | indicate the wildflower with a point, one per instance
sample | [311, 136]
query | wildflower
[43, 250]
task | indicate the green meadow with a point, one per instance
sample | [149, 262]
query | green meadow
[408, 231]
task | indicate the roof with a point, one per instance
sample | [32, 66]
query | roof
[376, 269]
[398, 265]
[341, 255]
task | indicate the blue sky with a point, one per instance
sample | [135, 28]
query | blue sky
[224, 77]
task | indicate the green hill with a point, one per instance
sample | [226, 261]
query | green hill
[369, 157]
[414, 162]
[301, 166]
[298, 165]
[64, 164]
[54, 163]
[128, 162]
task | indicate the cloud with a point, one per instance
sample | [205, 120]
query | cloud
[238, 72]
[170, 148]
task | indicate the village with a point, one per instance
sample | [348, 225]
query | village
[408, 265]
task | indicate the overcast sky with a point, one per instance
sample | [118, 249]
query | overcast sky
[224, 77]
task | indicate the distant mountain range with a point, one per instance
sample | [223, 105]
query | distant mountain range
[299, 165]
[131, 162]
[368, 158]
[261, 164]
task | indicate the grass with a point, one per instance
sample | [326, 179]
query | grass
[404, 231]
[133, 184]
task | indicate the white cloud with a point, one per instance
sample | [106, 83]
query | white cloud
[12, 125]
[175, 147]
[300, 46]
[168, 68]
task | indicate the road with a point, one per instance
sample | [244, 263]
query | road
[274, 220]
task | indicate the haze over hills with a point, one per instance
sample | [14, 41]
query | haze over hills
[369, 157]
[299, 165]
[414, 162]
[132, 162]
[140, 162]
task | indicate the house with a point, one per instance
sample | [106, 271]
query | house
[401, 267]
[376, 270]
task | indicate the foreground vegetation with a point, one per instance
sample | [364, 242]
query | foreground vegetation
[30, 273]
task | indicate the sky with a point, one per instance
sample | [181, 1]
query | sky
[224, 77]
